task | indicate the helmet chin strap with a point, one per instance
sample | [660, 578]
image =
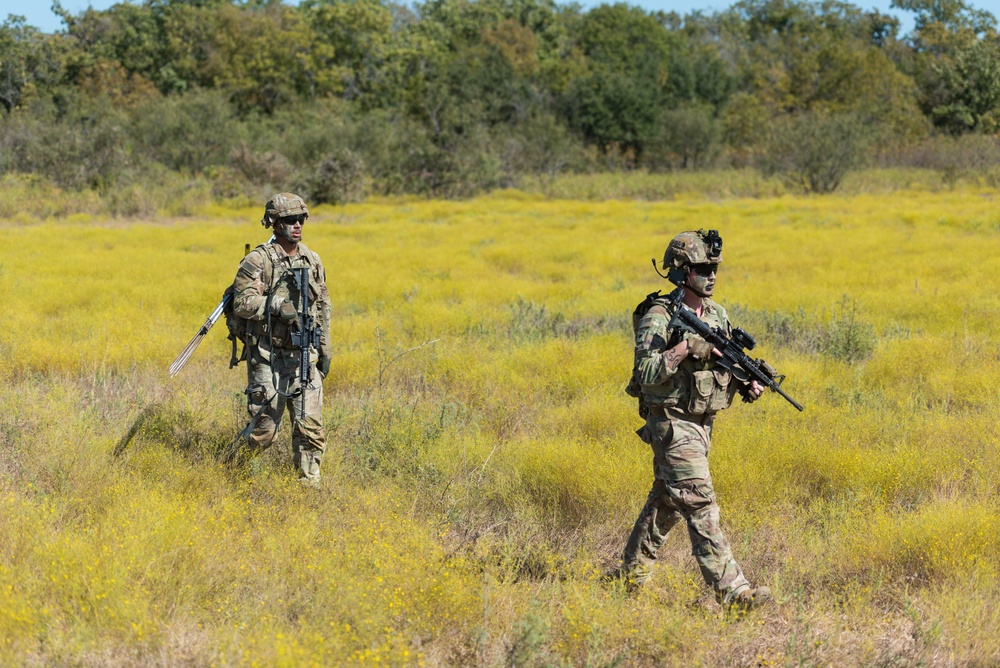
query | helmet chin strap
[696, 291]
[688, 286]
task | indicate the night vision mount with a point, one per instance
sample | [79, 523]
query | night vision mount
[713, 242]
[713, 250]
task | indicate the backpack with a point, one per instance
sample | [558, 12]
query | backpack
[238, 326]
[634, 387]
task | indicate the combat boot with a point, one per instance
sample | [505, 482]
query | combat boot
[749, 599]
[632, 578]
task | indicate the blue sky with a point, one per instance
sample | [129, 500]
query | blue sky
[39, 14]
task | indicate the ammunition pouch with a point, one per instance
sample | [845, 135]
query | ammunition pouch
[711, 391]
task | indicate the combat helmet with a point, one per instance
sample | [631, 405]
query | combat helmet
[282, 205]
[690, 248]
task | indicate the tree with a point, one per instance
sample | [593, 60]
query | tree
[687, 135]
[971, 83]
[29, 61]
[359, 32]
[613, 111]
[954, 62]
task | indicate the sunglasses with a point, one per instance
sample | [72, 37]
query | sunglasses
[705, 269]
[291, 220]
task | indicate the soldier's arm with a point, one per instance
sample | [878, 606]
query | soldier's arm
[655, 362]
[324, 311]
[250, 293]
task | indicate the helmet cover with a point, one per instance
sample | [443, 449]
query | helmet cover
[281, 206]
[690, 248]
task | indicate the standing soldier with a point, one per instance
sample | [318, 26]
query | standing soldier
[266, 295]
[680, 389]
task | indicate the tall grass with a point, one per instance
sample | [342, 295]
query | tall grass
[476, 487]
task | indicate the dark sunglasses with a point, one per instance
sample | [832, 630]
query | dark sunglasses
[705, 269]
[291, 220]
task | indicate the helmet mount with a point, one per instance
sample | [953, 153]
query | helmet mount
[688, 249]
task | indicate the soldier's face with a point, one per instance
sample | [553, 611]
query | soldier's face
[290, 227]
[701, 278]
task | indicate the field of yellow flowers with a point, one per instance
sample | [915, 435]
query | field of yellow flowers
[482, 469]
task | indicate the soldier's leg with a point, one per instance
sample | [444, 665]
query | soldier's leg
[308, 434]
[691, 493]
[262, 399]
[648, 534]
[696, 499]
[657, 516]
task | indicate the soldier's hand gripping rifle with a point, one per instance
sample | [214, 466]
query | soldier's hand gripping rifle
[733, 357]
[308, 334]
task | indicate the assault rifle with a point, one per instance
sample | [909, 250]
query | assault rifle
[733, 356]
[308, 334]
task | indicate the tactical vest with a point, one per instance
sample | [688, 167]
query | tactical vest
[695, 388]
[279, 284]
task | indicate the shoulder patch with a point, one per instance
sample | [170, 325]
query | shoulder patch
[250, 269]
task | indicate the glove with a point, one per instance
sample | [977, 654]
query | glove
[323, 365]
[284, 309]
[700, 349]
[747, 393]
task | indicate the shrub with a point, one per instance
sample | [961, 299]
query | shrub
[339, 179]
[686, 137]
[187, 133]
[847, 336]
[815, 151]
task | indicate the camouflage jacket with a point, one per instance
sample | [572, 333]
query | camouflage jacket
[694, 387]
[265, 273]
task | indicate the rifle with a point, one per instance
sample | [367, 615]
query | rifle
[733, 356]
[308, 334]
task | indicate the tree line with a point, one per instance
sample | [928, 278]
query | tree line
[451, 97]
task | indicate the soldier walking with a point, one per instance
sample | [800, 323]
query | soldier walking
[266, 294]
[680, 390]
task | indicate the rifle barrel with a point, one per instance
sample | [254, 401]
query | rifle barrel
[787, 398]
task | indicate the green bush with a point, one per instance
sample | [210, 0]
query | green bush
[686, 137]
[187, 133]
[339, 179]
[815, 151]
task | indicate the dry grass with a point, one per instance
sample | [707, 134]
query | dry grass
[474, 494]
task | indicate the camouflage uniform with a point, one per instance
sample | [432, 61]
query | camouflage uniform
[263, 276]
[682, 404]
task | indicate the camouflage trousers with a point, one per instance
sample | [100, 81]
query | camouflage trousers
[264, 368]
[682, 489]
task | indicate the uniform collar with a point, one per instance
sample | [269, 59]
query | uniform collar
[282, 255]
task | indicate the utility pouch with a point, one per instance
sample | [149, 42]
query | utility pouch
[721, 394]
[237, 327]
[256, 395]
[702, 385]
